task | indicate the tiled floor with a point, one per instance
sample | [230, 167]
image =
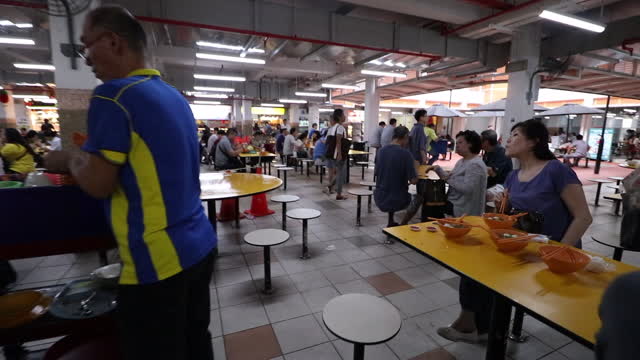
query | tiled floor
[247, 324]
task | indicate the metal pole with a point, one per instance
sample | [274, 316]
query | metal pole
[596, 170]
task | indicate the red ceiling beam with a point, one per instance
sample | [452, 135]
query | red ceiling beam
[487, 18]
[493, 4]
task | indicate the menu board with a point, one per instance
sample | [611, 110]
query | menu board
[594, 139]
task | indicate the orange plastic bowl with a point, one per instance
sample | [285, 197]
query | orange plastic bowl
[509, 245]
[565, 261]
[506, 223]
[451, 232]
[498, 234]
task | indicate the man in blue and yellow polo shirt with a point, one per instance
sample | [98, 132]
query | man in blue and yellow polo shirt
[142, 155]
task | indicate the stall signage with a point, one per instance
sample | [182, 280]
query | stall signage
[259, 110]
[594, 138]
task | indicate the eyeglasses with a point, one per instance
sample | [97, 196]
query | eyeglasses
[82, 50]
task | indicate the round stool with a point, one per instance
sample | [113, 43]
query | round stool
[309, 162]
[361, 319]
[370, 185]
[599, 182]
[284, 169]
[266, 238]
[284, 199]
[304, 215]
[365, 165]
[360, 193]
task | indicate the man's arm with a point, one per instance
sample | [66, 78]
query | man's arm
[95, 175]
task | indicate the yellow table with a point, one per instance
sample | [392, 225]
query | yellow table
[626, 166]
[220, 186]
[263, 158]
[568, 303]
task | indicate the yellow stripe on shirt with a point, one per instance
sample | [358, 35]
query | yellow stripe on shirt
[115, 157]
[120, 225]
[161, 248]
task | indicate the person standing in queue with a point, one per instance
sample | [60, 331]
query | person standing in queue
[418, 143]
[387, 133]
[499, 165]
[142, 157]
[336, 159]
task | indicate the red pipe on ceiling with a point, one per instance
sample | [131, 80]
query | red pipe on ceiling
[242, 31]
[493, 4]
[481, 20]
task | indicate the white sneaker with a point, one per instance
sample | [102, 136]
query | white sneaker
[452, 334]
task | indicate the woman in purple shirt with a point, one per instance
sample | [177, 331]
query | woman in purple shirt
[542, 185]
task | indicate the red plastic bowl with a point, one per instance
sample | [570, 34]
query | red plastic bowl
[451, 232]
[506, 223]
[565, 261]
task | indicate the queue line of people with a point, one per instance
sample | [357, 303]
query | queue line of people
[543, 187]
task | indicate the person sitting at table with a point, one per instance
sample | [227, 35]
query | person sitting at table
[468, 179]
[499, 165]
[299, 149]
[542, 186]
[18, 156]
[288, 148]
[580, 149]
[227, 152]
[394, 172]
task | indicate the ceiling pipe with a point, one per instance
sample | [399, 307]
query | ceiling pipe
[487, 18]
[24, 4]
[493, 4]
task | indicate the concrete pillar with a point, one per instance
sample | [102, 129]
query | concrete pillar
[247, 118]
[74, 87]
[236, 118]
[314, 115]
[8, 113]
[525, 46]
[371, 107]
[294, 115]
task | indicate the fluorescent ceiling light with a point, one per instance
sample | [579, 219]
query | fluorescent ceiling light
[228, 47]
[219, 77]
[204, 102]
[6, 23]
[611, 115]
[349, 106]
[389, 63]
[27, 96]
[210, 96]
[469, 112]
[572, 21]
[337, 86]
[384, 110]
[383, 73]
[28, 84]
[597, 117]
[631, 111]
[209, 88]
[24, 25]
[401, 65]
[35, 66]
[375, 62]
[17, 41]
[293, 101]
[42, 107]
[397, 112]
[325, 110]
[311, 94]
[230, 58]
[271, 105]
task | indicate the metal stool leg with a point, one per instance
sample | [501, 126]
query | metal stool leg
[237, 213]
[321, 173]
[285, 180]
[617, 208]
[390, 222]
[358, 211]
[598, 193]
[362, 172]
[267, 271]
[369, 203]
[516, 329]
[305, 248]
[284, 216]
[358, 351]
[308, 165]
[617, 254]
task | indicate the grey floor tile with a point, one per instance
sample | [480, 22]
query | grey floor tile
[242, 317]
[297, 265]
[80, 269]
[309, 280]
[286, 307]
[417, 258]
[299, 333]
[411, 341]
[218, 349]
[369, 268]
[325, 260]
[257, 271]
[215, 324]
[374, 352]
[281, 285]
[324, 351]
[340, 274]
[236, 294]
[453, 283]
[361, 241]
[318, 317]
[232, 276]
[575, 351]
[376, 251]
[318, 298]
[229, 262]
[27, 264]
[353, 255]
[213, 298]
[464, 351]
[554, 356]
[439, 271]
[359, 286]
[411, 302]
[395, 262]
[430, 322]
[440, 294]
[529, 350]
[544, 333]
[57, 260]
[49, 273]
[416, 276]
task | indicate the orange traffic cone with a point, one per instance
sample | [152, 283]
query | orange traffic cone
[228, 210]
[259, 206]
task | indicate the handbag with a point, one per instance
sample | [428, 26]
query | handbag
[345, 145]
[531, 223]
